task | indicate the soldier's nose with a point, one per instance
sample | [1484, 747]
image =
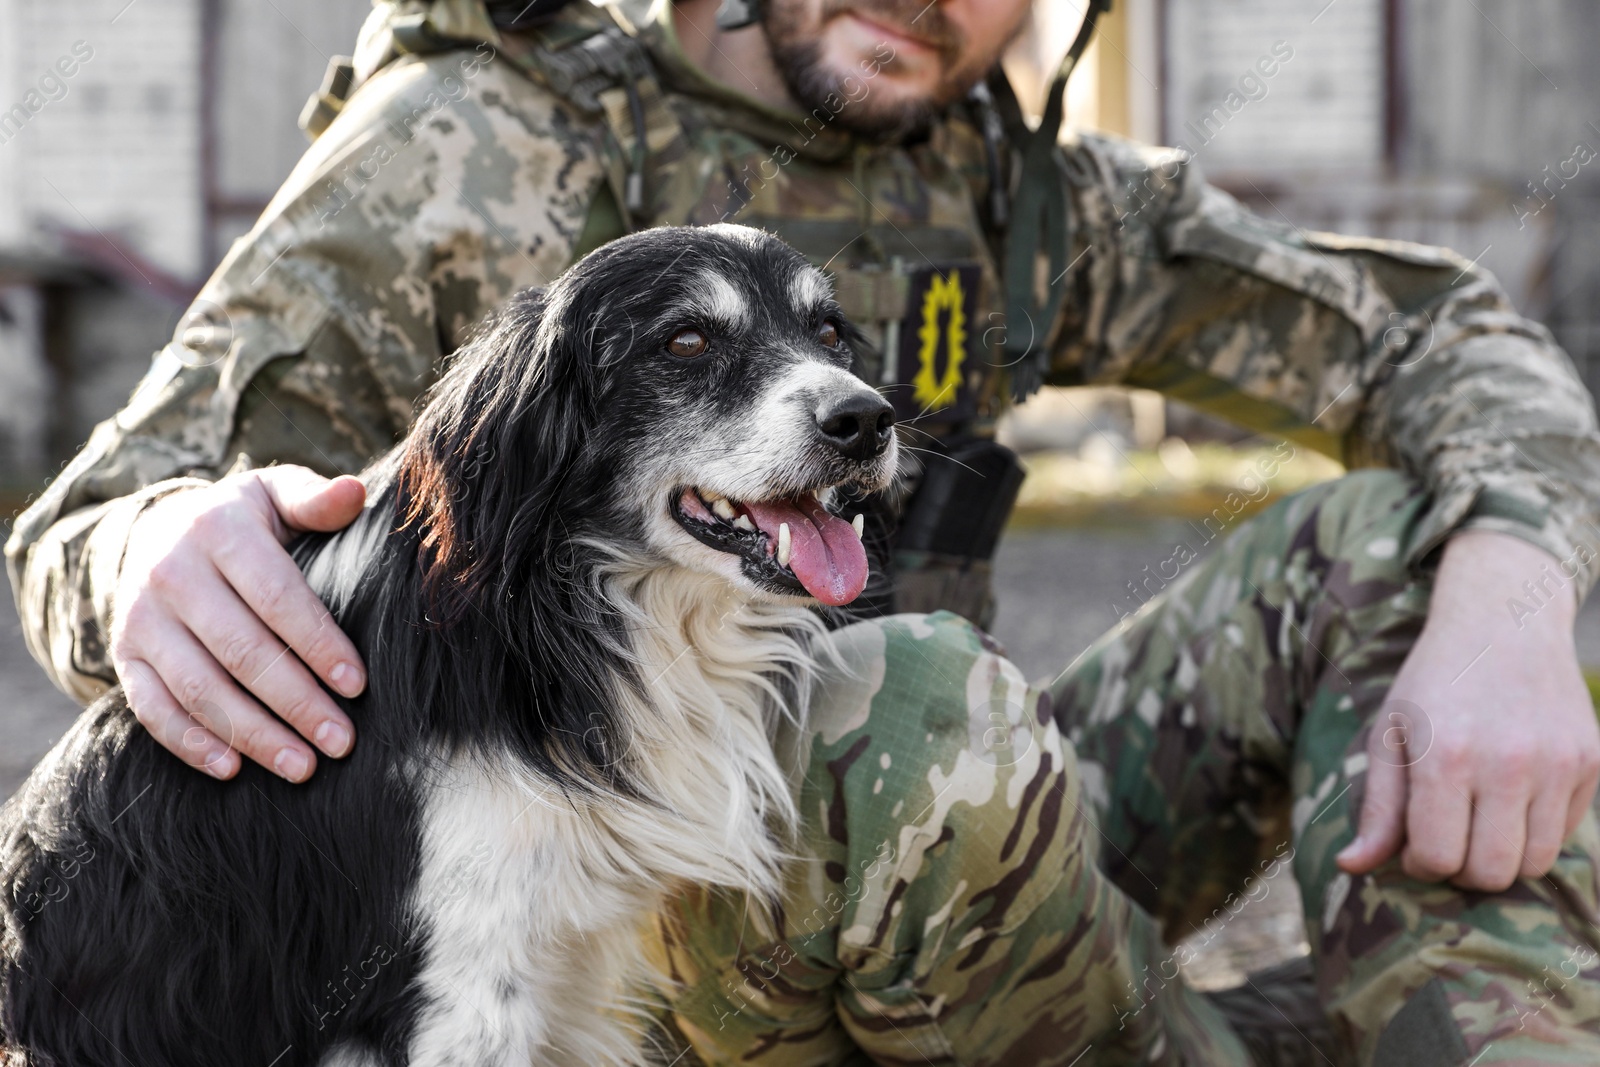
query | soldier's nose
[858, 424]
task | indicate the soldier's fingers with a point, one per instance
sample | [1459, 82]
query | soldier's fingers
[1382, 826]
[271, 586]
[246, 649]
[1547, 829]
[173, 728]
[1495, 849]
[305, 500]
[205, 691]
[1438, 819]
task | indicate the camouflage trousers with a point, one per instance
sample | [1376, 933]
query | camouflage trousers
[988, 869]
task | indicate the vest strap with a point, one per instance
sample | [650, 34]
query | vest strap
[1040, 222]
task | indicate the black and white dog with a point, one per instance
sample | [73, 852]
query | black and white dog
[584, 587]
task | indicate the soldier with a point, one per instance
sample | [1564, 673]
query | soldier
[993, 871]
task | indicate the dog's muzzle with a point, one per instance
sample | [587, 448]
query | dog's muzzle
[795, 542]
[859, 425]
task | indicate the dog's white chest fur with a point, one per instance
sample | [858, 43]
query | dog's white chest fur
[527, 925]
[532, 901]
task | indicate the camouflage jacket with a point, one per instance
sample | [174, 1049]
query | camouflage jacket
[468, 163]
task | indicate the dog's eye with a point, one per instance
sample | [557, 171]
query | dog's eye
[688, 344]
[828, 333]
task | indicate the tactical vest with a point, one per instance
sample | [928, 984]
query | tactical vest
[907, 232]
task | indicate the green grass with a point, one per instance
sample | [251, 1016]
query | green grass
[1174, 482]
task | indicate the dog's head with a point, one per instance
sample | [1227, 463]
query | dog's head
[684, 393]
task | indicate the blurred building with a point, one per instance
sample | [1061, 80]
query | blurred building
[139, 137]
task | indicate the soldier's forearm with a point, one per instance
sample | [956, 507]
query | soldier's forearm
[63, 578]
[1493, 417]
[50, 578]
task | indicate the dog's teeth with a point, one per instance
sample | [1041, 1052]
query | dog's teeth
[784, 546]
[743, 523]
[723, 508]
[711, 496]
[859, 523]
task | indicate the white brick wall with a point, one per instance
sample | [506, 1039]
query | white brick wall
[1322, 109]
[11, 50]
[119, 151]
[118, 147]
[271, 59]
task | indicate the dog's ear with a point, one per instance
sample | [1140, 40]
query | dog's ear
[484, 470]
[492, 485]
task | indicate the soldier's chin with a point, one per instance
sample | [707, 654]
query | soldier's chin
[877, 97]
[891, 110]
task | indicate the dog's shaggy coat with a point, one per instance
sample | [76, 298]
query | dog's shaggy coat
[582, 623]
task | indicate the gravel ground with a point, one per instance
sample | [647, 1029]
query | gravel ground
[1056, 588]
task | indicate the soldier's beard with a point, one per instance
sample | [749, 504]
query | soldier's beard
[847, 96]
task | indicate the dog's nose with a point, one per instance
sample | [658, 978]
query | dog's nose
[858, 424]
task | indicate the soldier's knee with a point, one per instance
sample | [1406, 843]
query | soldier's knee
[1367, 518]
[1359, 493]
[928, 689]
[1374, 490]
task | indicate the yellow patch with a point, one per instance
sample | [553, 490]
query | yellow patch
[935, 392]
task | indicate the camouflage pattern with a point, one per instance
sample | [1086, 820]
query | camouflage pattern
[946, 907]
[950, 906]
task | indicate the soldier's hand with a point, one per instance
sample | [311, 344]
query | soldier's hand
[212, 620]
[1486, 753]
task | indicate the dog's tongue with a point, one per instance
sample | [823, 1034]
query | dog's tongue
[824, 551]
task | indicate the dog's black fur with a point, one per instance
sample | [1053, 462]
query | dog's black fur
[152, 915]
